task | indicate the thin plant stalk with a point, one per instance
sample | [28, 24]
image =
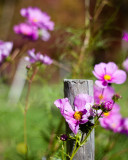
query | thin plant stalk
[87, 32]
[26, 104]
[87, 36]
[60, 65]
[99, 9]
[15, 54]
[63, 151]
[89, 24]
[12, 58]
[53, 144]
[85, 139]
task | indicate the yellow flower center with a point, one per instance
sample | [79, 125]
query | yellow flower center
[35, 20]
[106, 114]
[25, 33]
[101, 97]
[78, 115]
[107, 77]
[114, 125]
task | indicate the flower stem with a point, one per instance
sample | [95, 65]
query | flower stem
[85, 44]
[74, 151]
[12, 57]
[63, 151]
[26, 104]
[85, 139]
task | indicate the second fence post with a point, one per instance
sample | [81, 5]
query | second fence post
[73, 87]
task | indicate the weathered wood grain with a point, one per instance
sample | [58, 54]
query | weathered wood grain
[73, 87]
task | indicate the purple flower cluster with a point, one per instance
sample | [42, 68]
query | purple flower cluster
[107, 106]
[112, 119]
[5, 49]
[37, 24]
[104, 108]
[38, 57]
[106, 97]
[81, 113]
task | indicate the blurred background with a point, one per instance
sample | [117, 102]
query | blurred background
[64, 46]
[69, 18]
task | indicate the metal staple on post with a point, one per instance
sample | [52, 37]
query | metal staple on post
[73, 87]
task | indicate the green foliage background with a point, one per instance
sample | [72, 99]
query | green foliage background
[43, 117]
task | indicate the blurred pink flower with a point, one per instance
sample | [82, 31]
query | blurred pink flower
[36, 17]
[5, 50]
[80, 114]
[47, 60]
[103, 94]
[125, 64]
[27, 30]
[44, 34]
[38, 57]
[108, 73]
[112, 120]
[36, 26]
[124, 126]
[125, 36]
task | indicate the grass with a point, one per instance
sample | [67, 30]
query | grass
[43, 117]
[40, 117]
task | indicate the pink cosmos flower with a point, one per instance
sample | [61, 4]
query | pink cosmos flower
[108, 73]
[38, 57]
[27, 30]
[81, 112]
[125, 64]
[36, 17]
[112, 120]
[5, 49]
[103, 94]
[125, 36]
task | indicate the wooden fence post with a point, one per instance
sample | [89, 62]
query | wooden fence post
[73, 87]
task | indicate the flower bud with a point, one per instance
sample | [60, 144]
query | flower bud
[63, 137]
[96, 106]
[28, 67]
[107, 106]
[116, 97]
